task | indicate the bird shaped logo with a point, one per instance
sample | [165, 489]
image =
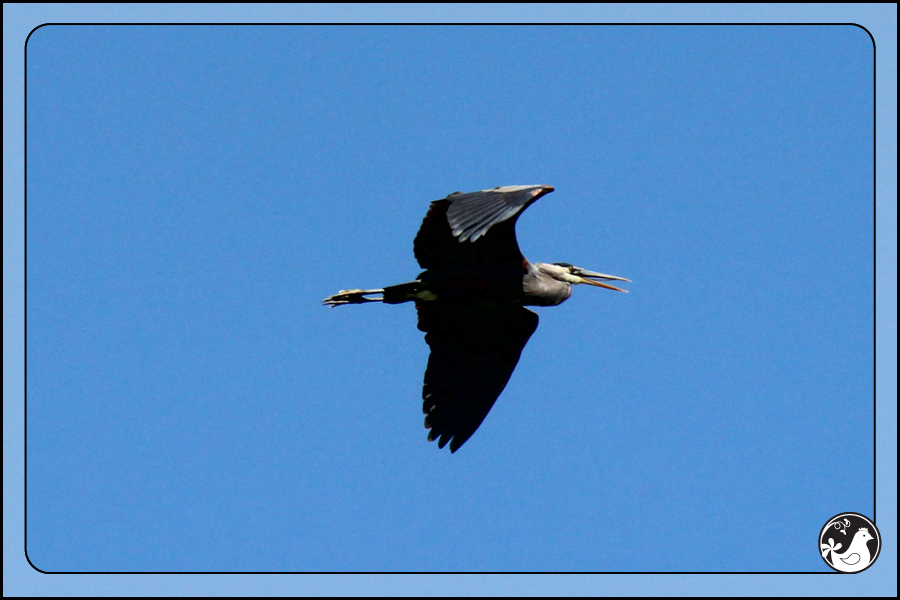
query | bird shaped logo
[856, 556]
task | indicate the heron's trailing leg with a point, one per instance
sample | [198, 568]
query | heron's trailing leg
[392, 294]
[352, 297]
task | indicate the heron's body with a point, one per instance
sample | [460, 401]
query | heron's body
[470, 300]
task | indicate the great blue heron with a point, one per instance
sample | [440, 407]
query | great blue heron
[470, 301]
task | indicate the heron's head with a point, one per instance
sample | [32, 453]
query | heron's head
[575, 275]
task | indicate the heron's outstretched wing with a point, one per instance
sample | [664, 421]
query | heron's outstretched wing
[474, 350]
[454, 231]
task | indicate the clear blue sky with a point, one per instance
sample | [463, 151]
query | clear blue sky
[193, 193]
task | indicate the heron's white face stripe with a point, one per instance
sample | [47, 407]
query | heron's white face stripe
[558, 272]
[561, 273]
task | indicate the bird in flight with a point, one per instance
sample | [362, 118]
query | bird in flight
[471, 302]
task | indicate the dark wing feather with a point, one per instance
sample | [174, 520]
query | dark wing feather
[455, 230]
[471, 215]
[474, 350]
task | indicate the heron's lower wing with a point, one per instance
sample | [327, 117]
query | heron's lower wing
[474, 350]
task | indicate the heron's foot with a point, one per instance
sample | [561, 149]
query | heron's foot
[352, 297]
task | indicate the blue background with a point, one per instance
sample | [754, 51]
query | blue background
[194, 192]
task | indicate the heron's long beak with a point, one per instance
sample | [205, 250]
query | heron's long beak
[582, 275]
